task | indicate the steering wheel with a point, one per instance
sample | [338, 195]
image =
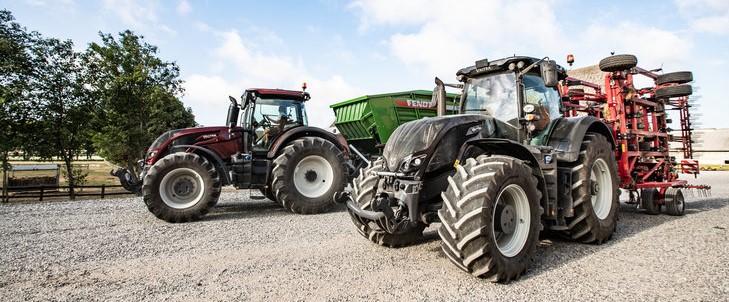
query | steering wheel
[266, 121]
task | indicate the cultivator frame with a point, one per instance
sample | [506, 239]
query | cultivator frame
[639, 122]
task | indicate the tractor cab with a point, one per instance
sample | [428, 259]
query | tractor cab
[271, 112]
[519, 92]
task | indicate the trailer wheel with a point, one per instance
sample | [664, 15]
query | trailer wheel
[307, 174]
[364, 190]
[491, 217]
[679, 77]
[618, 63]
[649, 199]
[675, 204]
[594, 192]
[674, 91]
[181, 187]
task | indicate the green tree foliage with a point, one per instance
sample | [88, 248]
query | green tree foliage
[64, 107]
[138, 97]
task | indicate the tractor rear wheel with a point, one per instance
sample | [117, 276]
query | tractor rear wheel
[674, 202]
[679, 77]
[594, 192]
[618, 63]
[364, 190]
[307, 174]
[649, 199]
[181, 187]
[491, 217]
[674, 91]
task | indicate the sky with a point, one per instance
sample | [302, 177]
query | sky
[346, 49]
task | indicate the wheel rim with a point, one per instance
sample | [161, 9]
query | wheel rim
[313, 176]
[181, 188]
[601, 188]
[511, 205]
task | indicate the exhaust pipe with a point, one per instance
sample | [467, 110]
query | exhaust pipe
[439, 96]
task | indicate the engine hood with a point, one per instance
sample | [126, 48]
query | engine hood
[436, 138]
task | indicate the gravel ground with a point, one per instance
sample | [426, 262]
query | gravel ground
[254, 250]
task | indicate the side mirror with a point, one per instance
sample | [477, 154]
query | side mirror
[549, 73]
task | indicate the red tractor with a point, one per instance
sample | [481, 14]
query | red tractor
[273, 150]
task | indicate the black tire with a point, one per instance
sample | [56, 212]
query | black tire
[473, 217]
[674, 91]
[268, 193]
[675, 204]
[596, 163]
[364, 188]
[649, 201]
[307, 174]
[181, 187]
[618, 63]
[679, 77]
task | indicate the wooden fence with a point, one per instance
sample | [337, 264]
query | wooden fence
[41, 192]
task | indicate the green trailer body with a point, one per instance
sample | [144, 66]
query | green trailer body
[368, 121]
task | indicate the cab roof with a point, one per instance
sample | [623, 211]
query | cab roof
[280, 93]
[485, 66]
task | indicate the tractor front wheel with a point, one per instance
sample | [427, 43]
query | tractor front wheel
[307, 174]
[181, 187]
[491, 217]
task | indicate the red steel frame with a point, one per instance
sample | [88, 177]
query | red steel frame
[639, 124]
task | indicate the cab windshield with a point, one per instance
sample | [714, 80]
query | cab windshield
[493, 95]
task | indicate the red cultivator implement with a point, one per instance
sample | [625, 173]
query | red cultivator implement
[639, 120]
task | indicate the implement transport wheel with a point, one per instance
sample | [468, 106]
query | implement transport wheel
[594, 192]
[491, 217]
[674, 91]
[679, 77]
[649, 200]
[364, 190]
[674, 202]
[181, 187]
[307, 174]
[618, 63]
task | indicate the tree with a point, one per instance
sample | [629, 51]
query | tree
[138, 97]
[17, 67]
[63, 106]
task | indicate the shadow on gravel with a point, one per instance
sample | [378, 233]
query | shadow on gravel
[245, 209]
[556, 251]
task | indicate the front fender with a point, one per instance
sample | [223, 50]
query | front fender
[567, 135]
[304, 131]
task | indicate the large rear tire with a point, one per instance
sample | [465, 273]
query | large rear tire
[594, 192]
[307, 174]
[181, 187]
[491, 217]
[364, 188]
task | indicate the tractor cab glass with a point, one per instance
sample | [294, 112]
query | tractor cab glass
[269, 117]
[545, 99]
[493, 95]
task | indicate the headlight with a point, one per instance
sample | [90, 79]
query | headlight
[411, 163]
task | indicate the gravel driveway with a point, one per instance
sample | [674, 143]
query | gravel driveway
[247, 249]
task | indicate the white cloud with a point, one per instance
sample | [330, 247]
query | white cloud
[183, 7]
[133, 13]
[247, 65]
[711, 16]
[443, 35]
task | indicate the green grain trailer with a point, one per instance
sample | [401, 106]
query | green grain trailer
[368, 121]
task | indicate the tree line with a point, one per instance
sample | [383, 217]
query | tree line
[113, 99]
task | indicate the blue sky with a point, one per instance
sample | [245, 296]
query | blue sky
[345, 49]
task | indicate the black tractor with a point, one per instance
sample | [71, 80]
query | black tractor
[273, 151]
[495, 175]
